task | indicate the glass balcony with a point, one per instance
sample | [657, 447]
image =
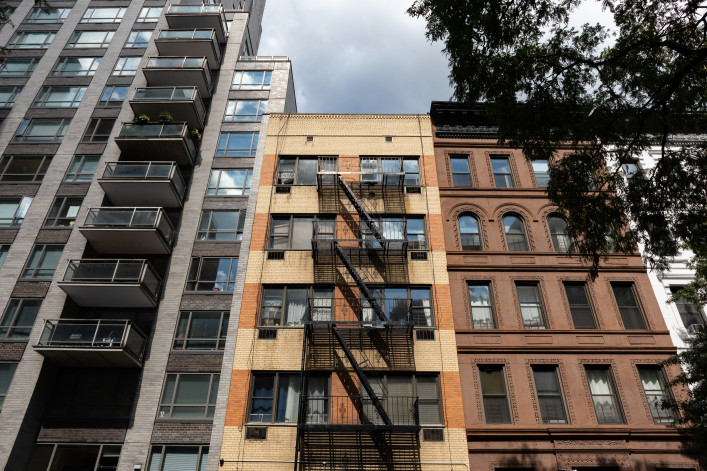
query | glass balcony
[111, 283]
[92, 343]
[198, 16]
[183, 103]
[143, 184]
[158, 141]
[179, 72]
[191, 42]
[128, 231]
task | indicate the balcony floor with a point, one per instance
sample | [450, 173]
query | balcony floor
[109, 294]
[152, 193]
[89, 357]
[124, 240]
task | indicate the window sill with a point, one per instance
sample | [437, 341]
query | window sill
[183, 421]
[196, 352]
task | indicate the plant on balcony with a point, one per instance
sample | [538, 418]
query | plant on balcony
[166, 117]
[195, 135]
[141, 119]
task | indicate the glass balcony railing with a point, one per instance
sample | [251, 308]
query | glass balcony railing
[123, 271]
[180, 16]
[191, 9]
[186, 34]
[152, 171]
[176, 63]
[131, 218]
[165, 95]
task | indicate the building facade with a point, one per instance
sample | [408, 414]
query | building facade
[121, 227]
[557, 371]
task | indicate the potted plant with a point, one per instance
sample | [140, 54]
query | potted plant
[141, 119]
[166, 117]
[195, 135]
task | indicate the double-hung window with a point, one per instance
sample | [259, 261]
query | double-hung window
[14, 210]
[531, 305]
[295, 232]
[603, 391]
[24, 168]
[397, 231]
[297, 170]
[63, 212]
[494, 395]
[178, 458]
[47, 15]
[138, 39]
[59, 97]
[391, 170]
[42, 130]
[402, 391]
[31, 40]
[290, 305]
[201, 330]
[401, 305]
[103, 15]
[561, 242]
[275, 397]
[245, 110]
[470, 232]
[212, 274]
[149, 15]
[481, 305]
[655, 387]
[90, 39]
[516, 239]
[580, 306]
[550, 401]
[237, 144]
[98, 130]
[691, 317]
[189, 396]
[629, 308]
[19, 316]
[76, 66]
[42, 262]
[251, 80]
[502, 176]
[541, 171]
[7, 371]
[18, 66]
[113, 96]
[231, 182]
[461, 176]
[82, 168]
[126, 66]
[221, 225]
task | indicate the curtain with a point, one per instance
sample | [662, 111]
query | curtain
[296, 306]
[318, 411]
[289, 398]
[598, 382]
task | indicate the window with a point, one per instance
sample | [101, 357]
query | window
[31, 40]
[547, 386]
[515, 233]
[42, 262]
[482, 316]
[460, 170]
[626, 299]
[8, 96]
[86, 39]
[47, 16]
[182, 458]
[401, 305]
[692, 318]
[493, 391]
[138, 39]
[237, 144]
[630, 169]
[113, 96]
[40, 130]
[103, 15]
[289, 305]
[7, 371]
[251, 80]
[298, 170]
[558, 233]
[13, 210]
[606, 405]
[189, 396]
[98, 130]
[245, 110]
[82, 168]
[4, 249]
[221, 225]
[396, 230]
[391, 170]
[127, 66]
[229, 182]
[580, 307]
[397, 393]
[23, 168]
[19, 317]
[656, 390]
[201, 330]
[79, 456]
[63, 212]
[274, 397]
[18, 67]
[297, 232]
[502, 176]
[76, 66]
[149, 15]
[541, 170]
[59, 97]
[469, 232]
[531, 305]
[212, 274]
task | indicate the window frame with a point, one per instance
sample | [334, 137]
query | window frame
[23, 205]
[540, 304]
[290, 229]
[491, 304]
[379, 293]
[16, 41]
[283, 306]
[228, 151]
[4, 250]
[201, 456]
[232, 115]
[265, 81]
[526, 239]
[134, 40]
[186, 321]
[558, 395]
[145, 17]
[193, 282]
[7, 160]
[35, 12]
[10, 375]
[685, 313]
[589, 305]
[538, 176]
[38, 271]
[106, 100]
[555, 237]
[10, 324]
[214, 190]
[279, 178]
[44, 98]
[209, 407]
[27, 72]
[462, 233]
[638, 305]
[502, 369]
[414, 376]
[59, 69]
[276, 375]
[203, 235]
[22, 136]
[91, 134]
[468, 174]
[413, 179]
[665, 391]
[88, 15]
[12, 93]
[611, 382]
[121, 69]
[79, 176]
[75, 43]
[61, 219]
[507, 176]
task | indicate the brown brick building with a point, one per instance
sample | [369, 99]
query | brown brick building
[557, 371]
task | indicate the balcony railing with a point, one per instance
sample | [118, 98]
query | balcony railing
[358, 412]
[191, 9]
[154, 130]
[176, 63]
[123, 271]
[186, 34]
[170, 141]
[131, 218]
[143, 183]
[183, 102]
[200, 16]
[358, 312]
[152, 171]
[93, 335]
[190, 42]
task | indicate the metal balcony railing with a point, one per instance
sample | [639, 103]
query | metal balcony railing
[123, 271]
[176, 63]
[152, 171]
[354, 412]
[186, 34]
[358, 312]
[131, 218]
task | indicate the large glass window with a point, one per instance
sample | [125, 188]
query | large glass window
[41, 130]
[24, 168]
[76, 66]
[127, 66]
[38, 15]
[514, 228]
[580, 307]
[606, 404]
[89, 39]
[149, 15]
[275, 397]
[396, 393]
[297, 171]
[391, 170]
[53, 457]
[251, 80]
[541, 170]
[692, 318]
[221, 225]
[245, 110]
[19, 317]
[212, 274]
[82, 168]
[289, 305]
[103, 15]
[18, 66]
[655, 387]
[561, 242]
[4, 250]
[237, 144]
[31, 40]
[7, 371]
[470, 232]
[59, 97]
[395, 230]
[14, 210]
[493, 392]
[178, 458]
[98, 130]
[630, 310]
[296, 232]
[461, 176]
[113, 96]
[189, 396]
[550, 401]
[43, 261]
[138, 39]
[502, 176]
[232, 182]
[201, 330]
[8, 96]
[482, 316]
[63, 212]
[531, 305]
[401, 305]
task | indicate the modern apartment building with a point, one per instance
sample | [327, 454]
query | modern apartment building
[557, 371]
[121, 226]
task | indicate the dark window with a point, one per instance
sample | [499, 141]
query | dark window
[289, 305]
[470, 232]
[82, 168]
[221, 225]
[692, 318]
[515, 233]
[493, 391]
[23, 168]
[18, 67]
[656, 390]
[580, 307]
[274, 397]
[98, 130]
[251, 80]
[502, 176]
[138, 39]
[541, 170]
[558, 233]
[547, 386]
[189, 396]
[626, 299]
[606, 404]
[630, 169]
[460, 170]
[391, 170]
[76, 66]
[396, 230]
[237, 144]
[14, 210]
[59, 97]
[181, 458]
[296, 232]
[212, 274]
[90, 39]
[77, 456]
[297, 171]
[19, 317]
[43, 261]
[232, 182]
[245, 110]
[113, 96]
[41, 130]
[201, 330]
[482, 316]
[63, 212]
[531, 305]
[4, 249]
[397, 393]
[400, 305]
[7, 371]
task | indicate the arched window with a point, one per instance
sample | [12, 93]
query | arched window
[515, 233]
[469, 232]
[558, 233]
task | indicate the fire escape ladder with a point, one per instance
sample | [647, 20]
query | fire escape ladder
[371, 224]
[365, 291]
[362, 376]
